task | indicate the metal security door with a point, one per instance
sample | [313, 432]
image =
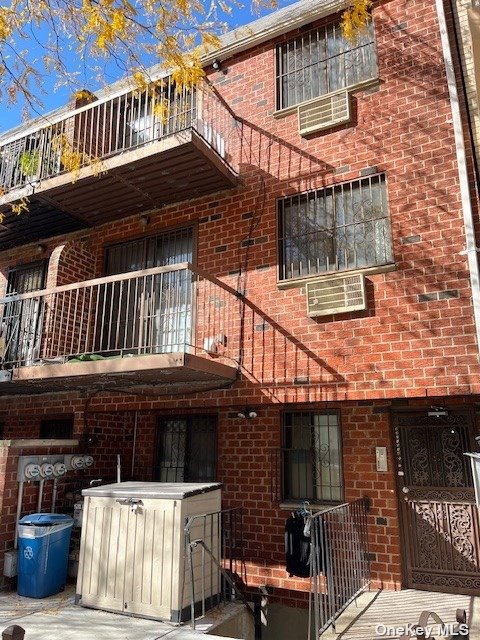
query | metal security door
[22, 319]
[439, 520]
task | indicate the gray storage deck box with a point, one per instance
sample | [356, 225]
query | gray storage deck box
[132, 550]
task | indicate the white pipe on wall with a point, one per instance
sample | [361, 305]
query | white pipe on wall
[40, 495]
[134, 442]
[54, 493]
[471, 248]
[19, 512]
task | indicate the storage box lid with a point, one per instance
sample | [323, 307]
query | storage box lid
[161, 490]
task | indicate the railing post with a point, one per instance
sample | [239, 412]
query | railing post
[13, 632]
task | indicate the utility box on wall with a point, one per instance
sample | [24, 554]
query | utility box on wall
[132, 549]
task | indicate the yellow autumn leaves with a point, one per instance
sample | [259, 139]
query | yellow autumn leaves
[355, 18]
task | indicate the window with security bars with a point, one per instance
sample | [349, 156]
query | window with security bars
[322, 61]
[342, 227]
[186, 449]
[311, 457]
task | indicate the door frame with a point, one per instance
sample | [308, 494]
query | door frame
[467, 410]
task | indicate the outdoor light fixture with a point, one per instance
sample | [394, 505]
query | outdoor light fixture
[216, 64]
[247, 413]
[437, 412]
[144, 221]
[41, 248]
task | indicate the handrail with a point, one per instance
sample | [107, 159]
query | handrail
[83, 284]
[166, 309]
[220, 536]
[339, 561]
[67, 114]
[108, 127]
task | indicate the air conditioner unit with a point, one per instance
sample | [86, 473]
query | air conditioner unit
[323, 112]
[336, 295]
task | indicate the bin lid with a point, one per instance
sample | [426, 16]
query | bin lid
[45, 519]
[161, 490]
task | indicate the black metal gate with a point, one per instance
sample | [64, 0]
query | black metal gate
[439, 519]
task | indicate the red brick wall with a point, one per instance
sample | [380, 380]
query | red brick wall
[400, 347]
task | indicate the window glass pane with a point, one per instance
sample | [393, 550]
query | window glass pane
[311, 455]
[337, 228]
[322, 61]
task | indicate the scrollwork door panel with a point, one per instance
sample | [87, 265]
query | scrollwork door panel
[439, 519]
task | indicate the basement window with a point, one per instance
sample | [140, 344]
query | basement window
[56, 428]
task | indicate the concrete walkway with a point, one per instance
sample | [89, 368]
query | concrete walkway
[383, 615]
[59, 617]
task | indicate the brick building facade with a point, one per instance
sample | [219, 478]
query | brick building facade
[370, 375]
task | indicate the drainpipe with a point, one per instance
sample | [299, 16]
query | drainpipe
[471, 249]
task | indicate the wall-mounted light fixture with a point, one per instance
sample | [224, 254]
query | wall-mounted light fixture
[216, 64]
[247, 413]
[41, 248]
[144, 221]
[437, 412]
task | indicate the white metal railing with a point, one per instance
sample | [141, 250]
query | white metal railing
[108, 127]
[171, 309]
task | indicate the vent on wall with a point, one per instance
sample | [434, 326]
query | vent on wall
[323, 112]
[336, 295]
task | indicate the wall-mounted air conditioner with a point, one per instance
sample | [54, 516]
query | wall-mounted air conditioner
[323, 112]
[327, 296]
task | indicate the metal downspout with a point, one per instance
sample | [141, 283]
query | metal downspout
[471, 248]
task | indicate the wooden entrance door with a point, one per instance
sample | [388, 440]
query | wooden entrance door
[439, 519]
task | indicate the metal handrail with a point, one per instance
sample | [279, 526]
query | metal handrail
[167, 309]
[110, 126]
[219, 536]
[339, 561]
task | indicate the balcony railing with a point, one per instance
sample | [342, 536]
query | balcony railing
[163, 310]
[88, 135]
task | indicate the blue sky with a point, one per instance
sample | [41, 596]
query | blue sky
[12, 115]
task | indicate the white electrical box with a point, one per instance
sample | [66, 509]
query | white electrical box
[10, 563]
[381, 458]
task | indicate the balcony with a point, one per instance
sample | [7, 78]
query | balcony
[112, 158]
[173, 328]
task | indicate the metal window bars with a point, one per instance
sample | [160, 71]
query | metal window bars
[321, 61]
[344, 226]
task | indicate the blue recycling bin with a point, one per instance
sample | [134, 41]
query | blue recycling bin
[43, 545]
